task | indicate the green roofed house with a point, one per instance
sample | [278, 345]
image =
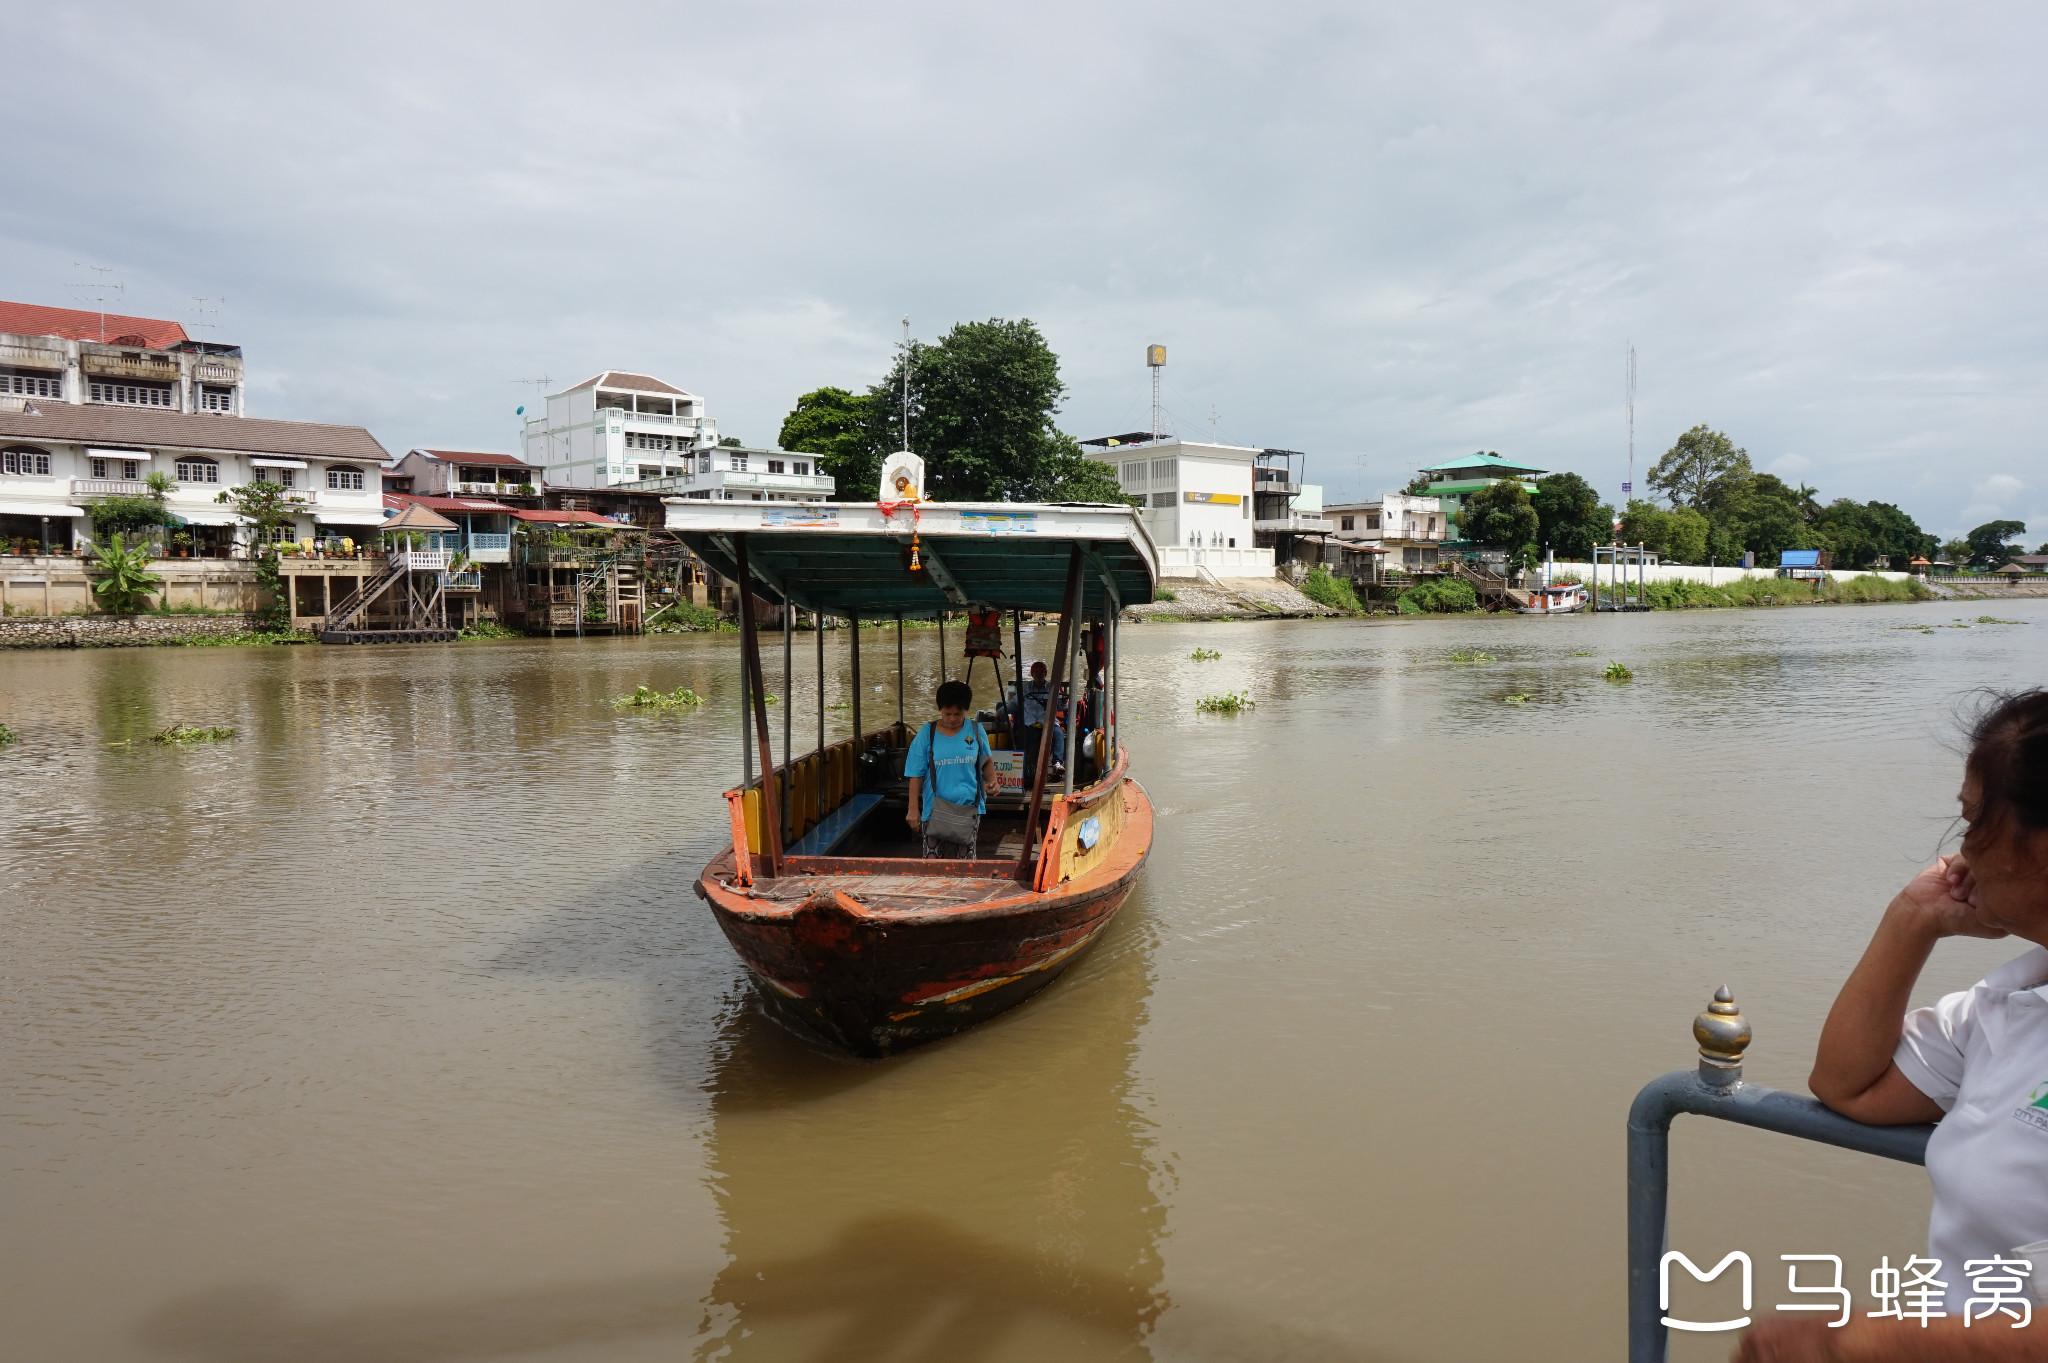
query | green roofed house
[1453, 479]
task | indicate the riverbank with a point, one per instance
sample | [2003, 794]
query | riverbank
[1687, 594]
[139, 631]
[1229, 598]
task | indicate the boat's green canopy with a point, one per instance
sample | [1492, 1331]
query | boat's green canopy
[853, 558]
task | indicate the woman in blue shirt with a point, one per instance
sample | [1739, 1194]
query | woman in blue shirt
[949, 760]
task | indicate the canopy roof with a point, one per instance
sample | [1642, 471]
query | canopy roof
[846, 558]
[1490, 463]
[417, 517]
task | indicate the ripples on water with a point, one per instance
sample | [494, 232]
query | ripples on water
[390, 1029]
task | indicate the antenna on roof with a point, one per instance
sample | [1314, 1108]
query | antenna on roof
[906, 382]
[201, 312]
[96, 291]
[1155, 360]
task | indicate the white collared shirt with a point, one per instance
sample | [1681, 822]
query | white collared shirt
[1982, 1056]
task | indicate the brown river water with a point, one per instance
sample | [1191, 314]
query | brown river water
[390, 1032]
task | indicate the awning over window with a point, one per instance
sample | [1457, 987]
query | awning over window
[206, 518]
[143, 456]
[8, 508]
[369, 517]
[279, 463]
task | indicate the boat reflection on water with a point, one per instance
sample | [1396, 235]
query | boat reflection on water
[990, 1196]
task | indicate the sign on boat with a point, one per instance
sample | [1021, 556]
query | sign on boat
[846, 930]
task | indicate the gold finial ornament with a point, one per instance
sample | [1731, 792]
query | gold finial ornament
[1723, 1033]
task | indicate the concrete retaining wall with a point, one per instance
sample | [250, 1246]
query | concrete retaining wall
[116, 631]
[51, 586]
[1691, 572]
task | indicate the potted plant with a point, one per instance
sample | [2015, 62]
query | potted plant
[181, 543]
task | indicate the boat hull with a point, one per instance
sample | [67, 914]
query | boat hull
[870, 957]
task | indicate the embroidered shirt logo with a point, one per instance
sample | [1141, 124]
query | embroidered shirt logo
[2035, 1113]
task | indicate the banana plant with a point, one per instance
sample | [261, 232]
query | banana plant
[127, 581]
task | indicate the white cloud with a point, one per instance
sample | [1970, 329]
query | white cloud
[1378, 235]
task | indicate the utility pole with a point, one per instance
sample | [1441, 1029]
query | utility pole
[1628, 488]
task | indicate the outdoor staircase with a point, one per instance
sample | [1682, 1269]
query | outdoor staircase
[425, 616]
[1494, 591]
[356, 605]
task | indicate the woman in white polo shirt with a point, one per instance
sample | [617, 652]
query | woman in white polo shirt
[1976, 1062]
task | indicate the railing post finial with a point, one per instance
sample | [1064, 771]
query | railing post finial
[1723, 1034]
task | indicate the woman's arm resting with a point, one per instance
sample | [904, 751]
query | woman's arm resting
[913, 813]
[1853, 1071]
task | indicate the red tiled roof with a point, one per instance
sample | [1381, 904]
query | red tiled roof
[565, 517]
[509, 461]
[398, 501]
[619, 378]
[33, 319]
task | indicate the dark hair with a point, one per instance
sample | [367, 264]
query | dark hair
[2009, 757]
[955, 695]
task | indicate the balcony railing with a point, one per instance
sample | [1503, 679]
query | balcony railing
[108, 487]
[423, 560]
[462, 582]
[494, 489]
[487, 542]
[122, 367]
[649, 418]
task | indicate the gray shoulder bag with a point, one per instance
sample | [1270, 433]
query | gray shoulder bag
[950, 822]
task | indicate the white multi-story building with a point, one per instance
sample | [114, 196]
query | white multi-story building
[91, 405]
[1196, 496]
[1412, 530]
[636, 433]
[100, 359]
[617, 428]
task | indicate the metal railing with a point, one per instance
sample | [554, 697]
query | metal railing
[494, 489]
[1717, 1090]
[462, 582]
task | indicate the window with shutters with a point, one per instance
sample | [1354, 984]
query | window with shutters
[216, 399]
[130, 394]
[29, 383]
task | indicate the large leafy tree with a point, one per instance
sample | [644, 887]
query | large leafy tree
[1570, 518]
[1699, 469]
[1870, 534]
[982, 405]
[1500, 516]
[1679, 535]
[839, 428]
[270, 510]
[1989, 547]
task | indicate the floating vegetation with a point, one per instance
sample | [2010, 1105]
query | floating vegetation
[188, 733]
[647, 698]
[1618, 672]
[1229, 703]
[1994, 620]
[6, 735]
[1466, 655]
[1518, 698]
[1583, 653]
[1204, 655]
[487, 629]
[837, 705]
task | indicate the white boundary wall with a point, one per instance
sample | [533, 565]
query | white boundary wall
[1178, 560]
[1690, 572]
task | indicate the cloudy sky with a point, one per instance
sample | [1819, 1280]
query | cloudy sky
[1383, 235]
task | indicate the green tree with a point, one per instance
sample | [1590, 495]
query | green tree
[840, 429]
[1686, 536]
[1570, 518]
[126, 582]
[1418, 486]
[982, 407]
[1988, 543]
[1873, 534]
[1955, 552]
[1696, 470]
[1768, 518]
[124, 515]
[1645, 523]
[1500, 516]
[731, 441]
[270, 509]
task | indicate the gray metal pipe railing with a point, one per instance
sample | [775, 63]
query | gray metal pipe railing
[1717, 1090]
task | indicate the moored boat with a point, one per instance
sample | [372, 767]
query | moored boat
[1562, 599]
[847, 932]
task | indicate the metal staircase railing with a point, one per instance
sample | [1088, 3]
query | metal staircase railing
[357, 603]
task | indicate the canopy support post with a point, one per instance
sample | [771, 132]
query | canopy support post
[750, 646]
[1074, 683]
[853, 628]
[942, 646]
[1070, 608]
[818, 624]
[1017, 665]
[788, 750]
[899, 674]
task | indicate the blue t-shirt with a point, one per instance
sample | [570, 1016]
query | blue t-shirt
[958, 759]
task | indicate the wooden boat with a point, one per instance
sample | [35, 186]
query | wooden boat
[845, 930]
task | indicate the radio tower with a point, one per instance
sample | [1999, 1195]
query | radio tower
[1628, 489]
[1155, 360]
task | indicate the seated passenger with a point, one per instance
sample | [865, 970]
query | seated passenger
[1037, 700]
[951, 771]
[1975, 1062]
